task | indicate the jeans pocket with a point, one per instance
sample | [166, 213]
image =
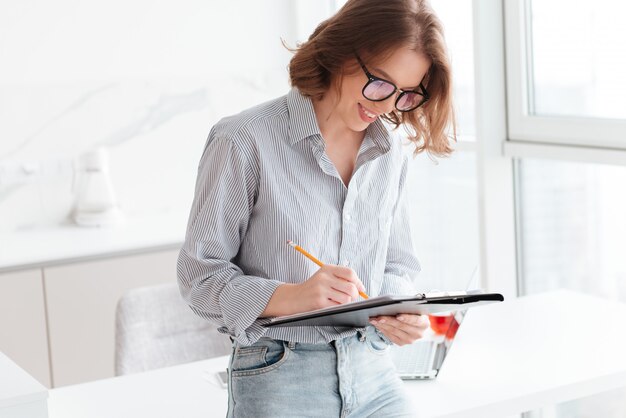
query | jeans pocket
[262, 357]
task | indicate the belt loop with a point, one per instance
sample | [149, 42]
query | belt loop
[361, 335]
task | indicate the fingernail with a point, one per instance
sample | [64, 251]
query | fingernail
[373, 321]
[382, 321]
[401, 318]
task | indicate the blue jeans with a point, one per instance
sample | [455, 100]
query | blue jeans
[352, 377]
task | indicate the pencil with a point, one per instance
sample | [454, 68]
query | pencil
[316, 261]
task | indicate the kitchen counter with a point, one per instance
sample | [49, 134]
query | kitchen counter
[66, 242]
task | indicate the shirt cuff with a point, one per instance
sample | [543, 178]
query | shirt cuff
[242, 302]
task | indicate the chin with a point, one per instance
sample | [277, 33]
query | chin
[358, 125]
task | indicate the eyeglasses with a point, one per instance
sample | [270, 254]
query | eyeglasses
[377, 89]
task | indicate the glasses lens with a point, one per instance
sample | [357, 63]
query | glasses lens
[409, 101]
[378, 90]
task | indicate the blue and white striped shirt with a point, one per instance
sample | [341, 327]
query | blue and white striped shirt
[265, 178]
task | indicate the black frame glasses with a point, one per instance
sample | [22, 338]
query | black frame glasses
[372, 79]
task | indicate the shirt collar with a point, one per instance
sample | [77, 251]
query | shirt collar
[380, 135]
[302, 122]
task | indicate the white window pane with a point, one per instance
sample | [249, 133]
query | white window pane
[456, 16]
[578, 58]
[573, 234]
[573, 227]
[443, 207]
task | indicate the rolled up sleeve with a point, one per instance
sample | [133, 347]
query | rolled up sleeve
[210, 282]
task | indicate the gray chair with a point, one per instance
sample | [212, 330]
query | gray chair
[155, 328]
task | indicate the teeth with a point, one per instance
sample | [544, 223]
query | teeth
[371, 115]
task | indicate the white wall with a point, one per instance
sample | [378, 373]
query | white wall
[145, 79]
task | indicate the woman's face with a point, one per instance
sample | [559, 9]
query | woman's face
[405, 68]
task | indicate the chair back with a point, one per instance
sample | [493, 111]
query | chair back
[155, 328]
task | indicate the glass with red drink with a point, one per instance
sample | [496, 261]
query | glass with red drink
[444, 324]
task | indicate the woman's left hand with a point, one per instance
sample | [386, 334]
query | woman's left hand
[402, 329]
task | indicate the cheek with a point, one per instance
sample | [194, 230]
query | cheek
[351, 89]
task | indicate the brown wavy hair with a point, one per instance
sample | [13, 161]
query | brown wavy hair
[374, 29]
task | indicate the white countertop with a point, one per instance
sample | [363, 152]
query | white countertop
[16, 386]
[507, 358]
[65, 243]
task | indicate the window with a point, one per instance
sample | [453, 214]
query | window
[565, 66]
[442, 202]
[578, 59]
[443, 195]
[456, 16]
[573, 229]
[573, 235]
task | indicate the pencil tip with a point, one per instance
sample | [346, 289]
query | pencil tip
[290, 242]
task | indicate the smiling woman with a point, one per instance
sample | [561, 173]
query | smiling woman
[340, 45]
[320, 167]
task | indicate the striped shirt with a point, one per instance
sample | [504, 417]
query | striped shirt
[264, 178]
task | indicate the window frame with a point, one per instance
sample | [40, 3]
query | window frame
[495, 170]
[536, 136]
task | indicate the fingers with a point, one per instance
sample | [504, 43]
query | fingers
[339, 297]
[335, 290]
[404, 329]
[332, 285]
[420, 321]
[395, 336]
[346, 273]
[397, 328]
[345, 287]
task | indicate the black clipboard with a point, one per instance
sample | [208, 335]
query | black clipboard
[357, 314]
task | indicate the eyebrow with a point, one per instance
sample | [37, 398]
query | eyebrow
[378, 70]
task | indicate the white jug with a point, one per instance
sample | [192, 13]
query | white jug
[95, 203]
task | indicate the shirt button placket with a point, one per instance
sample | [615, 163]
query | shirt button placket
[347, 229]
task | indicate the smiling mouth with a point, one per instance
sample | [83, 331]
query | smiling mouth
[366, 115]
[368, 112]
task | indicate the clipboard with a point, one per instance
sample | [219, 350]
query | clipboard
[357, 314]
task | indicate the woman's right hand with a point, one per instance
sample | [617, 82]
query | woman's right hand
[331, 285]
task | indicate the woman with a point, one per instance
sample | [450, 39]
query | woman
[318, 166]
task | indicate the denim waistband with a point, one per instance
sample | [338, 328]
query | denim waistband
[361, 336]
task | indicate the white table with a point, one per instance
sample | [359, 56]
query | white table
[507, 358]
[21, 396]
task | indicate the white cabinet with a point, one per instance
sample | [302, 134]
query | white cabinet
[58, 322]
[23, 322]
[81, 301]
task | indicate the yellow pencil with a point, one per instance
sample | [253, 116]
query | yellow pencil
[316, 261]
